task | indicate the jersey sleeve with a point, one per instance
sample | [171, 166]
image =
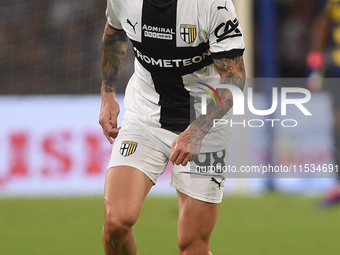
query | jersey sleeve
[112, 18]
[224, 31]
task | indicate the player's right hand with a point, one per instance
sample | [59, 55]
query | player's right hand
[108, 116]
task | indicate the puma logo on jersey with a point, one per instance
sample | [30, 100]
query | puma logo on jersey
[133, 26]
[223, 7]
[218, 183]
[225, 29]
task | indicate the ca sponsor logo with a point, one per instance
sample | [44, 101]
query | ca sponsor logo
[227, 30]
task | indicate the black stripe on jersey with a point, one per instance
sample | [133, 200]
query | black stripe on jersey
[161, 3]
[176, 103]
[167, 63]
[228, 54]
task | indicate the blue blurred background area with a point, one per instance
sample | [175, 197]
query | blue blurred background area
[50, 76]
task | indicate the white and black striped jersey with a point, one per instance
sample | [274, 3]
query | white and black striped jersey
[174, 41]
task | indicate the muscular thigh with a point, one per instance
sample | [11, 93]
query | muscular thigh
[136, 163]
[125, 190]
[196, 219]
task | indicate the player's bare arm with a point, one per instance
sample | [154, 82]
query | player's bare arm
[114, 47]
[231, 71]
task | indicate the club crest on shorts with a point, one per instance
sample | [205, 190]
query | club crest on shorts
[188, 33]
[127, 148]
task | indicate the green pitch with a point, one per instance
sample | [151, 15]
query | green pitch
[272, 224]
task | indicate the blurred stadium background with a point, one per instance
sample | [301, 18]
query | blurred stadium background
[53, 154]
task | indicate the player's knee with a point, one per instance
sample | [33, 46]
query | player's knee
[117, 227]
[195, 246]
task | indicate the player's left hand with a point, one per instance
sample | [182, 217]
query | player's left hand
[185, 147]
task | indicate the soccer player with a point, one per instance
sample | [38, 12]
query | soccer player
[175, 42]
[328, 23]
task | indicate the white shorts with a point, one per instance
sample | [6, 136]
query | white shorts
[148, 148]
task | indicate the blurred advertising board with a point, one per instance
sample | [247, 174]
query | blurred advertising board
[54, 146]
[51, 145]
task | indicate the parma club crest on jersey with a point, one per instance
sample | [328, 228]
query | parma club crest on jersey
[127, 148]
[188, 33]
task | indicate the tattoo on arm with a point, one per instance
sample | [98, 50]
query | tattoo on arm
[231, 71]
[114, 47]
